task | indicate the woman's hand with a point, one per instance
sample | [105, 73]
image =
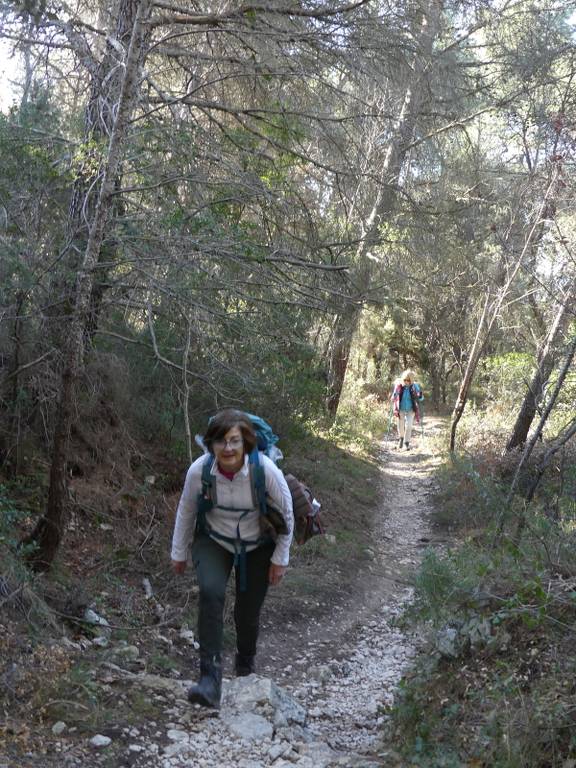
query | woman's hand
[179, 566]
[276, 573]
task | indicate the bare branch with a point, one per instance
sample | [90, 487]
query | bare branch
[214, 19]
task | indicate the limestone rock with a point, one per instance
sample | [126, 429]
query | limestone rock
[127, 652]
[161, 684]
[450, 642]
[177, 735]
[59, 728]
[248, 726]
[100, 742]
[255, 693]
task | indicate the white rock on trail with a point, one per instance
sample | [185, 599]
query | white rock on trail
[59, 728]
[249, 726]
[100, 742]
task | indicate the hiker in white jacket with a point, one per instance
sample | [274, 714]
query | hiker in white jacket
[220, 517]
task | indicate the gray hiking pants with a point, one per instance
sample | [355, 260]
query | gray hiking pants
[213, 566]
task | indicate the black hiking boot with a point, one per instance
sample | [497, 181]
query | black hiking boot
[400, 441]
[208, 691]
[407, 446]
[244, 665]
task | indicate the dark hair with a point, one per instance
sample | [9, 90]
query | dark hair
[223, 422]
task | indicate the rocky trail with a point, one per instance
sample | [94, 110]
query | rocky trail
[327, 704]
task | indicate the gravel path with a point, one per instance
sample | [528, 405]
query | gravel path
[345, 696]
[346, 705]
[334, 696]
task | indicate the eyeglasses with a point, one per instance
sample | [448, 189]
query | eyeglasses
[407, 380]
[234, 443]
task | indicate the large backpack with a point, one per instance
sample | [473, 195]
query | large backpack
[307, 517]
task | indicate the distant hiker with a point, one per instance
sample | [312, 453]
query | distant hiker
[220, 514]
[405, 397]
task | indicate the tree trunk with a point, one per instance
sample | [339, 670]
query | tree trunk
[475, 352]
[435, 383]
[567, 434]
[16, 464]
[446, 376]
[482, 338]
[561, 440]
[51, 528]
[343, 334]
[545, 366]
[377, 359]
[104, 93]
[544, 418]
[390, 174]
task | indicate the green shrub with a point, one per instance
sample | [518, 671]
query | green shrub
[462, 478]
[10, 518]
[507, 702]
[503, 377]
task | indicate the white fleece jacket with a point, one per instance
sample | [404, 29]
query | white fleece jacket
[235, 494]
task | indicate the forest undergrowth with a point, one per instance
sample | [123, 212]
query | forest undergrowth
[496, 685]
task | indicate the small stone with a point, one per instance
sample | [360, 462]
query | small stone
[175, 749]
[276, 750]
[280, 719]
[67, 643]
[91, 617]
[176, 735]
[320, 673]
[59, 728]
[99, 741]
[450, 642]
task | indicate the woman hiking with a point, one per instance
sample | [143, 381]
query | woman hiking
[406, 395]
[220, 516]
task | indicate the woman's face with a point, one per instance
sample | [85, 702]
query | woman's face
[407, 381]
[229, 450]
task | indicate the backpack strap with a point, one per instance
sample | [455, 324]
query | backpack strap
[257, 481]
[207, 484]
[207, 496]
[274, 519]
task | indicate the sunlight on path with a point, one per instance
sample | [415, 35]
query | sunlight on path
[347, 704]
